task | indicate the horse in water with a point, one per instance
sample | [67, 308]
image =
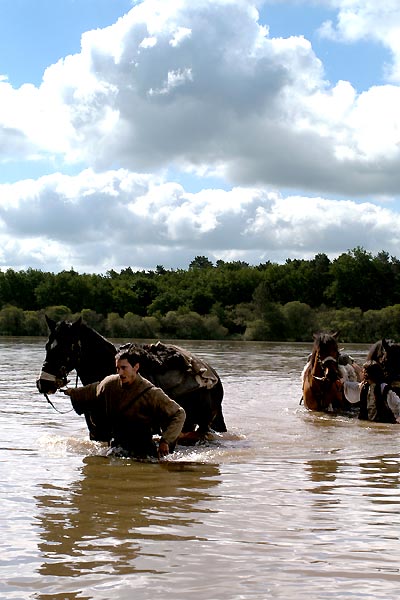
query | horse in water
[387, 353]
[321, 376]
[185, 377]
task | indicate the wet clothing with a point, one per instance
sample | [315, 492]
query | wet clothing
[136, 412]
[378, 402]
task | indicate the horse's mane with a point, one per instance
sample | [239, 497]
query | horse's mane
[88, 334]
[97, 357]
[322, 341]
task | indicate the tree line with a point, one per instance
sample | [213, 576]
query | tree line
[357, 294]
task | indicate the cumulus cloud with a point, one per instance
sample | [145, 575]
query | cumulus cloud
[97, 222]
[367, 20]
[201, 87]
[200, 84]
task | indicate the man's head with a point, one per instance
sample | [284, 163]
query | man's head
[373, 372]
[127, 364]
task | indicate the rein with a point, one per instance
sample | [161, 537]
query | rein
[322, 364]
[61, 412]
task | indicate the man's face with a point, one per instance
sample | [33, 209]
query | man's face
[126, 372]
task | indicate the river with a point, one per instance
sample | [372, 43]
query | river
[288, 504]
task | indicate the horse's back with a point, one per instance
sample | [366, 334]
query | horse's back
[196, 386]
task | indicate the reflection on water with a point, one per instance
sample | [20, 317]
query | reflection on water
[288, 504]
[356, 518]
[98, 523]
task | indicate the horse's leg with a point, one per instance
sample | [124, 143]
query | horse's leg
[309, 400]
[218, 423]
[341, 403]
[216, 395]
[199, 414]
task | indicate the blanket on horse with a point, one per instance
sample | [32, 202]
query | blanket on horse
[172, 368]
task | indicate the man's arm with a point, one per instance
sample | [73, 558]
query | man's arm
[82, 398]
[172, 417]
[352, 391]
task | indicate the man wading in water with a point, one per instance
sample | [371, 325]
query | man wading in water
[137, 410]
[378, 402]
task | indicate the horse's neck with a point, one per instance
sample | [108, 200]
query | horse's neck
[97, 356]
[314, 363]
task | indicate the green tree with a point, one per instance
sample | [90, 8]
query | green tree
[11, 321]
[355, 281]
[153, 326]
[17, 288]
[170, 324]
[67, 288]
[257, 331]
[200, 262]
[34, 324]
[383, 323]
[137, 326]
[213, 330]
[123, 298]
[299, 319]
[167, 301]
[233, 283]
[59, 313]
[116, 326]
[93, 319]
[315, 279]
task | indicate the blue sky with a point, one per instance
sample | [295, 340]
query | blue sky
[147, 133]
[360, 62]
[37, 34]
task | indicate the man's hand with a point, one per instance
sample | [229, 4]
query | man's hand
[163, 449]
[66, 391]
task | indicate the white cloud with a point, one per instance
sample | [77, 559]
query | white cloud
[200, 87]
[368, 20]
[96, 222]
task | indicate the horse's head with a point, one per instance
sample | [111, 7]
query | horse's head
[325, 345]
[62, 354]
[389, 358]
[321, 387]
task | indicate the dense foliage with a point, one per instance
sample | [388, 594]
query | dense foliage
[357, 294]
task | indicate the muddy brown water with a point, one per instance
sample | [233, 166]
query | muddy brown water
[287, 504]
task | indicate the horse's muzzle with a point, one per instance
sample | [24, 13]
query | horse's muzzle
[48, 383]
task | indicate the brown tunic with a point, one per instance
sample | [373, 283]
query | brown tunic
[136, 412]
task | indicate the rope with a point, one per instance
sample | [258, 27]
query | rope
[61, 412]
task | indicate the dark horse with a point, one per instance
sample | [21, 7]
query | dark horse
[321, 388]
[387, 353]
[183, 376]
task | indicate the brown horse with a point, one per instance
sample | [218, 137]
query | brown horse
[322, 390]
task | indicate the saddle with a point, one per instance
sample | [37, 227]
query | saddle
[172, 368]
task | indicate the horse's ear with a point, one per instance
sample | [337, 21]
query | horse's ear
[77, 323]
[385, 344]
[50, 323]
[335, 335]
